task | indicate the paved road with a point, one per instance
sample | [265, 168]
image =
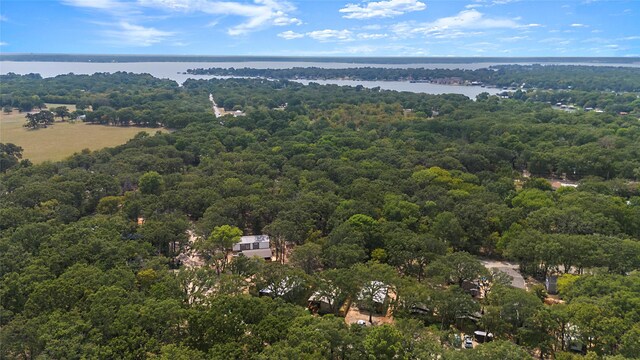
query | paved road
[510, 269]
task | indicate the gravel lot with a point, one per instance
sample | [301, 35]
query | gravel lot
[509, 268]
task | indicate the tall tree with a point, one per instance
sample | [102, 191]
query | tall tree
[61, 112]
[10, 155]
[151, 183]
[384, 342]
[307, 257]
[281, 231]
[376, 282]
[217, 248]
[458, 267]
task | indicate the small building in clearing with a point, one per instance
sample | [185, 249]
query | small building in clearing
[551, 284]
[254, 246]
[325, 302]
[377, 292]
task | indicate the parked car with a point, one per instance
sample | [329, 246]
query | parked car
[468, 343]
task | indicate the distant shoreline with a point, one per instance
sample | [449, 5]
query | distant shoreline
[102, 58]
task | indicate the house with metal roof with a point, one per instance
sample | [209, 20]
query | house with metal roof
[254, 246]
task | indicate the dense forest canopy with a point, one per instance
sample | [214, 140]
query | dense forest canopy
[116, 98]
[356, 187]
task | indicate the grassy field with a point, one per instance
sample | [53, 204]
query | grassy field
[62, 139]
[71, 107]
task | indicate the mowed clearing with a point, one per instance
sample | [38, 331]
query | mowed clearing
[63, 139]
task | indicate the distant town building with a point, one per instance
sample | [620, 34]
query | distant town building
[449, 81]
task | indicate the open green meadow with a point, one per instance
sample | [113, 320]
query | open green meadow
[63, 139]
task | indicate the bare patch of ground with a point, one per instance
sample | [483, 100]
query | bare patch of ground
[354, 314]
[190, 258]
[510, 268]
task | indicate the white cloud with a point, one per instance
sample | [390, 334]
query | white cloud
[551, 40]
[290, 35]
[596, 40]
[127, 34]
[367, 36]
[327, 35]
[176, 5]
[534, 25]
[2, 43]
[555, 41]
[258, 14]
[473, 19]
[116, 8]
[631, 38]
[396, 50]
[455, 26]
[488, 3]
[578, 25]
[94, 4]
[330, 35]
[3, 18]
[515, 38]
[213, 23]
[283, 21]
[372, 27]
[381, 9]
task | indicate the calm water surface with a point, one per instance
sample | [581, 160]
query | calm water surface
[469, 91]
[174, 70]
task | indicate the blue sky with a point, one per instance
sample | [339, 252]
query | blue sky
[329, 28]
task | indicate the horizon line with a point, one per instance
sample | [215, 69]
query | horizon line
[321, 56]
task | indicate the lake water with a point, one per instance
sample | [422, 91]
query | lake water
[469, 91]
[174, 70]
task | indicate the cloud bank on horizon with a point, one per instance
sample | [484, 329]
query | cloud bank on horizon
[316, 28]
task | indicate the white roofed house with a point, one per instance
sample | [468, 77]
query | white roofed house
[321, 303]
[254, 246]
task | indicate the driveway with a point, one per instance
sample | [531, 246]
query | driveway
[510, 269]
